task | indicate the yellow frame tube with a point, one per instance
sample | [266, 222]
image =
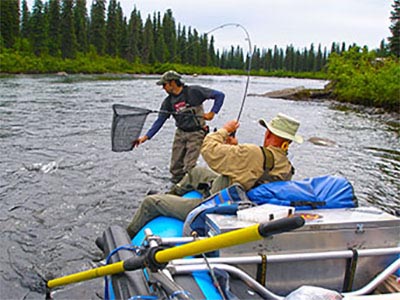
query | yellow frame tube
[231, 238]
[115, 268]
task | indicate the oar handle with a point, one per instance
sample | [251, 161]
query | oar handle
[231, 238]
[280, 225]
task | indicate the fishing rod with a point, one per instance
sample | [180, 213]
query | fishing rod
[249, 58]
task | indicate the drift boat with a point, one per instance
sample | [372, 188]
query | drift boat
[313, 248]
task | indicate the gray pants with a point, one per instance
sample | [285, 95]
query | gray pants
[161, 205]
[185, 152]
[172, 205]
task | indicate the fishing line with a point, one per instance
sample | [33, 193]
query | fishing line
[249, 56]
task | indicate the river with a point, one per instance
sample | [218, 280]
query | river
[61, 185]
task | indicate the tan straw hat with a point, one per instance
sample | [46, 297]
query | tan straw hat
[284, 127]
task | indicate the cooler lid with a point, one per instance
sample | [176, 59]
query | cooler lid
[319, 219]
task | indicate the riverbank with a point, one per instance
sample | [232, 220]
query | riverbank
[326, 94]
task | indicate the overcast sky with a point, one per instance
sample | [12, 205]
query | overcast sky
[277, 22]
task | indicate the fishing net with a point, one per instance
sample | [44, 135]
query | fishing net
[127, 125]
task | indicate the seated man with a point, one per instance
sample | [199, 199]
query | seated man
[246, 164]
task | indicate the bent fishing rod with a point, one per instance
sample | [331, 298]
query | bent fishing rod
[249, 58]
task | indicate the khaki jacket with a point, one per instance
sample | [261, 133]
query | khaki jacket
[242, 163]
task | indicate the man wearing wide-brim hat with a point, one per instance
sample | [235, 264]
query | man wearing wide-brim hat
[246, 164]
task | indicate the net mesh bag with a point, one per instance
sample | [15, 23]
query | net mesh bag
[127, 124]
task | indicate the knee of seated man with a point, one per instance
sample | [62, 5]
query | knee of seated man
[150, 201]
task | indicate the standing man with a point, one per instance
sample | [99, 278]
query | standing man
[185, 104]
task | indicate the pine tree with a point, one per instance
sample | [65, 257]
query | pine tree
[9, 22]
[122, 42]
[169, 35]
[37, 26]
[112, 30]
[81, 22]
[54, 27]
[68, 38]
[148, 51]
[394, 40]
[182, 46]
[161, 49]
[134, 36]
[25, 20]
[97, 31]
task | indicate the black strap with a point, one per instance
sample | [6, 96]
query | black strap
[350, 271]
[314, 205]
[268, 158]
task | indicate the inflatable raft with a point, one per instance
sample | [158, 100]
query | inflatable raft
[301, 237]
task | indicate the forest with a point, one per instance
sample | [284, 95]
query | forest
[62, 35]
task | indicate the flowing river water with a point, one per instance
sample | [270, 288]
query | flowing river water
[61, 185]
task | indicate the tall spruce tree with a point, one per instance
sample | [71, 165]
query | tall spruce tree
[25, 20]
[37, 26]
[182, 49]
[54, 27]
[134, 36]
[122, 41]
[9, 22]
[68, 38]
[394, 40]
[169, 34]
[161, 49]
[97, 31]
[81, 22]
[112, 30]
[148, 51]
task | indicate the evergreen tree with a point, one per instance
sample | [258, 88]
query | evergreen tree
[25, 20]
[148, 51]
[394, 40]
[81, 25]
[134, 36]
[161, 49]
[9, 22]
[54, 27]
[318, 59]
[169, 35]
[211, 53]
[97, 31]
[112, 30]
[122, 42]
[203, 55]
[37, 26]
[68, 38]
[182, 48]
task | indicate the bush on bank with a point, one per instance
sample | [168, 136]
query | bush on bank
[360, 77]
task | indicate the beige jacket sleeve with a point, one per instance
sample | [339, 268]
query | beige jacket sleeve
[242, 163]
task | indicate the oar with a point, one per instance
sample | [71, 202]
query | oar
[156, 259]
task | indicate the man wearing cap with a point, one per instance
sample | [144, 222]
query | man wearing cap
[246, 164]
[185, 104]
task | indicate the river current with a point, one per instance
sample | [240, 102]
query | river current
[61, 185]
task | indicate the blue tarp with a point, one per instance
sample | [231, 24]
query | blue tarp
[317, 192]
